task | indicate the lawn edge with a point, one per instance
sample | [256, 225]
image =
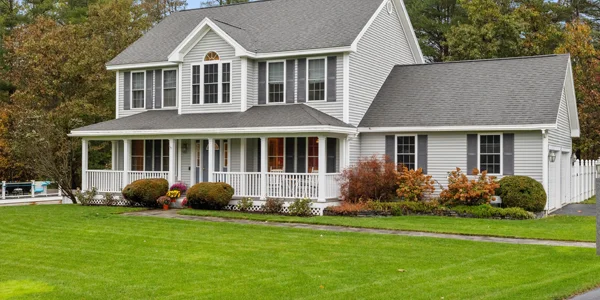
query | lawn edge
[394, 229]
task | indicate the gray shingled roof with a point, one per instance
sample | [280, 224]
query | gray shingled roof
[257, 116]
[515, 91]
[261, 27]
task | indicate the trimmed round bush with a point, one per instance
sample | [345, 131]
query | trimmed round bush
[522, 191]
[210, 195]
[144, 192]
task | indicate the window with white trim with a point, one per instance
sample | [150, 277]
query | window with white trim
[276, 82]
[276, 154]
[137, 155]
[316, 79]
[406, 149]
[490, 153]
[169, 88]
[196, 84]
[211, 83]
[226, 83]
[138, 89]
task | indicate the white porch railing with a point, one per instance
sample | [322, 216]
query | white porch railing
[292, 185]
[332, 187]
[245, 184]
[105, 181]
[137, 175]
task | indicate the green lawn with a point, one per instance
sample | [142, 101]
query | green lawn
[589, 201]
[568, 228]
[74, 252]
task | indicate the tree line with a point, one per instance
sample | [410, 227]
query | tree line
[53, 53]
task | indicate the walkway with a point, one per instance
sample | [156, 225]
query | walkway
[577, 210]
[172, 214]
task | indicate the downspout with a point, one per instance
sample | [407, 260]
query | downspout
[545, 167]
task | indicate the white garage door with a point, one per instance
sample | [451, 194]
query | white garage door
[554, 184]
[565, 188]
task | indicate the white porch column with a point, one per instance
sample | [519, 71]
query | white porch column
[172, 160]
[114, 156]
[126, 162]
[243, 166]
[264, 165]
[211, 159]
[343, 153]
[322, 167]
[192, 149]
[84, 164]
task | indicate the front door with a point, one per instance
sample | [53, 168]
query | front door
[201, 165]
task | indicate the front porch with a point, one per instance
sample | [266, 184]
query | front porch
[291, 167]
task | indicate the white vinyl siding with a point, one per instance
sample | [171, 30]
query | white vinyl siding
[383, 46]
[561, 136]
[252, 83]
[211, 42]
[447, 151]
[235, 148]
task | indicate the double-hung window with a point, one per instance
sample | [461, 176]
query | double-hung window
[226, 83]
[211, 83]
[137, 89]
[406, 149]
[316, 79]
[137, 155]
[276, 82]
[211, 80]
[490, 153]
[169, 88]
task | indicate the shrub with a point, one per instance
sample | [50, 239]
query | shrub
[245, 204]
[403, 208]
[210, 195]
[371, 178]
[179, 186]
[463, 191]
[488, 211]
[109, 199]
[413, 185]
[347, 209]
[145, 191]
[273, 206]
[301, 208]
[522, 191]
[85, 198]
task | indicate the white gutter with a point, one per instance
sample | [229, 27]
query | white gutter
[459, 128]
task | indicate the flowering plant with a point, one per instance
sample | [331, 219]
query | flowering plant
[179, 186]
[174, 194]
[164, 200]
[184, 202]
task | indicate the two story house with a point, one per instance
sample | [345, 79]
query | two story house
[277, 97]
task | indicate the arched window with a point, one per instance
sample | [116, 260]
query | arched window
[210, 56]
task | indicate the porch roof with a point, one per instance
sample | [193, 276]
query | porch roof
[268, 118]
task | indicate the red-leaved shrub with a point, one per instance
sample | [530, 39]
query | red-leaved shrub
[370, 179]
[464, 191]
[413, 185]
[348, 209]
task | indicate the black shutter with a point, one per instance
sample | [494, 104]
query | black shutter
[218, 156]
[422, 156]
[301, 80]
[301, 155]
[158, 156]
[508, 152]
[290, 82]
[259, 154]
[262, 83]
[148, 156]
[205, 161]
[331, 154]
[149, 89]
[158, 89]
[290, 145]
[127, 91]
[331, 78]
[471, 153]
[390, 147]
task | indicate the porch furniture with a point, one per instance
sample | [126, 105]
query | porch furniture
[17, 192]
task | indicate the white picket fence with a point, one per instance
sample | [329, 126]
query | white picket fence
[583, 175]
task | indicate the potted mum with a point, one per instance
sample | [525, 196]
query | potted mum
[179, 186]
[165, 201]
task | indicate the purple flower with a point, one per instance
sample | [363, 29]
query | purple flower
[179, 186]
